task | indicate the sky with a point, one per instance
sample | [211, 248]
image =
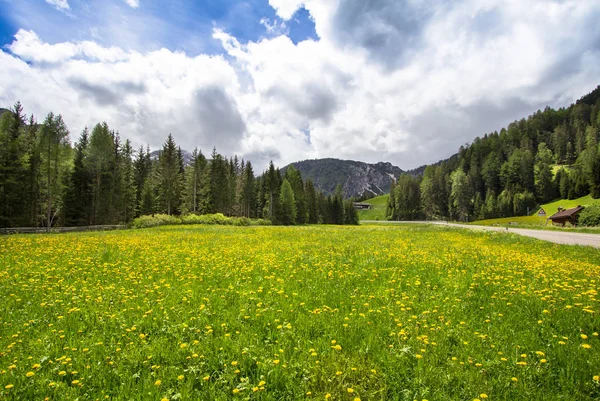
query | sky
[404, 81]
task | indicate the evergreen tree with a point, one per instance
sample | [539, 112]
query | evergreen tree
[288, 204]
[544, 184]
[170, 177]
[78, 196]
[129, 190]
[248, 191]
[312, 202]
[295, 180]
[101, 155]
[460, 196]
[12, 168]
[195, 181]
[54, 140]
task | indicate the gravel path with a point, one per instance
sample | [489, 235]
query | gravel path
[559, 237]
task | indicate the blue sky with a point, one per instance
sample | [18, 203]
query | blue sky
[175, 24]
[402, 81]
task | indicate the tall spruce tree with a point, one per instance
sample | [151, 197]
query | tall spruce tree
[288, 204]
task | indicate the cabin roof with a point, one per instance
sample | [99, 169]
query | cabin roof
[566, 213]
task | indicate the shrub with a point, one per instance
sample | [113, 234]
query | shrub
[155, 220]
[206, 219]
[590, 216]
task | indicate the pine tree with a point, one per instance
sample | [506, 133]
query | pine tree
[101, 154]
[129, 191]
[248, 191]
[195, 178]
[54, 138]
[78, 196]
[295, 179]
[288, 204]
[169, 177]
[12, 168]
[142, 166]
[312, 202]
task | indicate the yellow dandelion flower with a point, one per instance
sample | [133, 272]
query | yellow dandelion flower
[180, 377]
[8, 386]
[29, 374]
[157, 383]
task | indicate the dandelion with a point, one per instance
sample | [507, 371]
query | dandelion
[350, 390]
[586, 346]
[180, 377]
[29, 374]
[514, 379]
[157, 383]
[8, 386]
[206, 378]
[75, 382]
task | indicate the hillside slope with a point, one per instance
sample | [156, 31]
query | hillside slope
[355, 177]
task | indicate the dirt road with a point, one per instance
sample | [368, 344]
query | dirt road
[559, 237]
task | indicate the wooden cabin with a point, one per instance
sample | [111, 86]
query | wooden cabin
[564, 216]
[362, 206]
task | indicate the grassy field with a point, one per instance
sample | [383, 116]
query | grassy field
[378, 210]
[539, 222]
[318, 312]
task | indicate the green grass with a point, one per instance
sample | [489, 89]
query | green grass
[377, 212]
[552, 208]
[286, 313]
[541, 222]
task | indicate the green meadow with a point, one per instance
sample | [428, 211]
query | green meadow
[312, 312]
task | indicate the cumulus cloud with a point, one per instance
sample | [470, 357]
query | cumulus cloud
[405, 82]
[59, 4]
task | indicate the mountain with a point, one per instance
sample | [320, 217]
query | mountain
[355, 177]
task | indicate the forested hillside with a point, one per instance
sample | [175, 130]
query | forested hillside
[551, 154]
[44, 181]
[357, 179]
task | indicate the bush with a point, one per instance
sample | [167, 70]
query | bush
[155, 220]
[206, 219]
[590, 216]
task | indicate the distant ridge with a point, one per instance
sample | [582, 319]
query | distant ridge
[356, 178]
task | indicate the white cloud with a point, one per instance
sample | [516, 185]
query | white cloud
[469, 70]
[59, 4]
[133, 3]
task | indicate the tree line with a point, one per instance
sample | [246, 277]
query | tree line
[101, 180]
[551, 154]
